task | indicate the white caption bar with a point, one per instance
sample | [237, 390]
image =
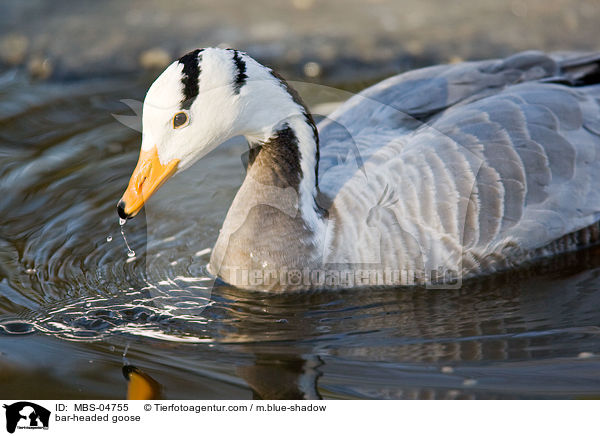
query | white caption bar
[25, 417]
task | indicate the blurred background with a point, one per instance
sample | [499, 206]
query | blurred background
[328, 40]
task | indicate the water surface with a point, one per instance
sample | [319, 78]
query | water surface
[72, 301]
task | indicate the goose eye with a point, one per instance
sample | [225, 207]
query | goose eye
[179, 119]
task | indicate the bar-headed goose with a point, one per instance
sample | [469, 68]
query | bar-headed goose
[427, 177]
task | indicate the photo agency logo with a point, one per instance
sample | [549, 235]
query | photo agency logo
[24, 415]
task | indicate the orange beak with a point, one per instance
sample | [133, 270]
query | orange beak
[148, 175]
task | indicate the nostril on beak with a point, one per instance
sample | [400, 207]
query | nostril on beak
[141, 183]
[121, 210]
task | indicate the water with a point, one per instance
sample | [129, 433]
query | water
[73, 306]
[122, 222]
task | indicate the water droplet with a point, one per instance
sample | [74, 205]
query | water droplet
[30, 271]
[108, 238]
[130, 252]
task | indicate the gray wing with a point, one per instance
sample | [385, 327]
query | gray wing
[398, 105]
[481, 156]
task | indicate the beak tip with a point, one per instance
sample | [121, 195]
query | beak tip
[121, 210]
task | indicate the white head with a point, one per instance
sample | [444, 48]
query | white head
[200, 101]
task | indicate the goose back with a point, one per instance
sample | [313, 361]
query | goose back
[478, 165]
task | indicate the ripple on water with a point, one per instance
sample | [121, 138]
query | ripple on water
[16, 328]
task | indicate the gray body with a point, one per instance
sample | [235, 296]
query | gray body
[471, 168]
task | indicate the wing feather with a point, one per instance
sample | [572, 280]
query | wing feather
[483, 157]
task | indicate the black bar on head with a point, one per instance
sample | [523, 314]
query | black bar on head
[191, 77]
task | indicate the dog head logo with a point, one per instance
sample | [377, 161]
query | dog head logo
[26, 415]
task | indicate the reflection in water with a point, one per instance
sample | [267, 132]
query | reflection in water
[70, 300]
[140, 386]
[282, 377]
[500, 337]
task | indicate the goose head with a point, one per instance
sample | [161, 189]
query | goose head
[200, 101]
